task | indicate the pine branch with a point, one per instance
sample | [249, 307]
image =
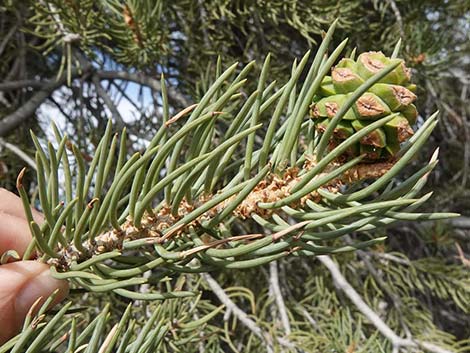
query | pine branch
[111, 330]
[184, 196]
[118, 231]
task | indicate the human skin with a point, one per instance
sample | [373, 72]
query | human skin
[21, 282]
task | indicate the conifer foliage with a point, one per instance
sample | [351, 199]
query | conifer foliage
[267, 170]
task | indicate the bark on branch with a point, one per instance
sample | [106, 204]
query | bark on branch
[12, 85]
[174, 96]
[242, 316]
[13, 120]
[397, 342]
[47, 88]
[276, 289]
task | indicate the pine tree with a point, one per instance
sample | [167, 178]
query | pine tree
[157, 238]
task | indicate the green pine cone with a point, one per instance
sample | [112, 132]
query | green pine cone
[393, 94]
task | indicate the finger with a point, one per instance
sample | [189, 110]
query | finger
[22, 283]
[11, 204]
[14, 234]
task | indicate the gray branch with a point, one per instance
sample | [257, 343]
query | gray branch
[5, 40]
[46, 88]
[375, 319]
[398, 16]
[461, 222]
[108, 102]
[16, 150]
[12, 85]
[276, 290]
[67, 36]
[239, 313]
[174, 96]
[13, 120]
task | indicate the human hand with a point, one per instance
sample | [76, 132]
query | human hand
[22, 282]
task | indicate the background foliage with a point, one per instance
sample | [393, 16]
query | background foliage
[79, 62]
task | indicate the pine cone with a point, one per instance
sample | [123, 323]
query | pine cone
[393, 94]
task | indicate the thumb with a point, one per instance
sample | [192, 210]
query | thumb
[21, 284]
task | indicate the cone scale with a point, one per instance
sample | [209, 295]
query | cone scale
[393, 94]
